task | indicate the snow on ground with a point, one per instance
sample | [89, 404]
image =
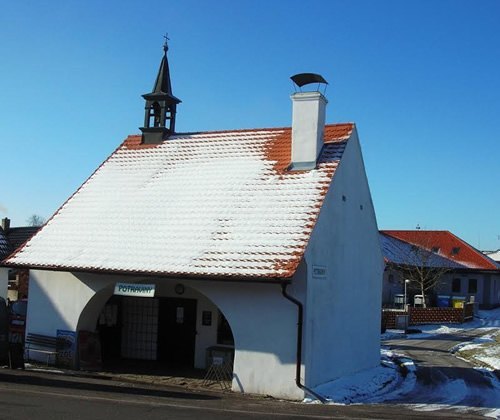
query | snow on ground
[483, 351]
[372, 385]
[396, 377]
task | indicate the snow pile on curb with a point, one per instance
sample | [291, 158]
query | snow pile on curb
[394, 376]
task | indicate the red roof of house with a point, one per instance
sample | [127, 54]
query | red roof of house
[445, 244]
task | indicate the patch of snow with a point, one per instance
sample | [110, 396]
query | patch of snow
[450, 393]
[360, 386]
[393, 335]
[372, 385]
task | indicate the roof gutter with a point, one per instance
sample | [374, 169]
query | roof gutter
[300, 323]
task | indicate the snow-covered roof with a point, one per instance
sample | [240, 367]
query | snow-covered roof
[438, 248]
[494, 255]
[199, 204]
[403, 253]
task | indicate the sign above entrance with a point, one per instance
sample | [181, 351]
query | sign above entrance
[135, 289]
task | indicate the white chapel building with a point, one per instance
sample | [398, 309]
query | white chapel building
[260, 244]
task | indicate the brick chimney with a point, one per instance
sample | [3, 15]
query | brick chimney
[308, 122]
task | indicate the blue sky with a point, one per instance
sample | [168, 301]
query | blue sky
[421, 79]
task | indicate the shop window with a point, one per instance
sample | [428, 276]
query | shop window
[472, 286]
[224, 333]
[456, 286]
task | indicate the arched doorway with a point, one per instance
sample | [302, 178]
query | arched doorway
[174, 329]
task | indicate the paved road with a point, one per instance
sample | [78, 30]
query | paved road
[442, 378]
[34, 395]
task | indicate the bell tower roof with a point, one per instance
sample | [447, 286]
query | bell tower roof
[163, 85]
[160, 106]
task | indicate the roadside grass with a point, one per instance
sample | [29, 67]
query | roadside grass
[483, 352]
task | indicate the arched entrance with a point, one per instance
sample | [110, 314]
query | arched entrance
[177, 328]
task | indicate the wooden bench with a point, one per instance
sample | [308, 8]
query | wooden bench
[47, 343]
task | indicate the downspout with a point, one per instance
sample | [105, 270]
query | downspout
[300, 323]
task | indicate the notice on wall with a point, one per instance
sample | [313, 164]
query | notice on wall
[319, 271]
[135, 289]
[66, 349]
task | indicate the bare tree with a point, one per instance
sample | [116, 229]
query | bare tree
[35, 220]
[420, 263]
[422, 277]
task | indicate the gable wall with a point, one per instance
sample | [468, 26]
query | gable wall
[343, 308]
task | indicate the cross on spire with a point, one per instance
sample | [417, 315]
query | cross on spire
[165, 45]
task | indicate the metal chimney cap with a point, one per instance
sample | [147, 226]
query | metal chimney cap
[302, 79]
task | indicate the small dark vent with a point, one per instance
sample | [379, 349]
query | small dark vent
[455, 250]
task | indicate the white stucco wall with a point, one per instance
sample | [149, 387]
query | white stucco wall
[56, 300]
[264, 326]
[344, 307]
[263, 322]
[495, 290]
[4, 282]
[445, 286]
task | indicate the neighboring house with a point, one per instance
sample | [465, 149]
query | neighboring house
[18, 279]
[243, 241]
[5, 250]
[466, 272]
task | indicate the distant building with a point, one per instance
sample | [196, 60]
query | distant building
[257, 244]
[13, 282]
[5, 250]
[466, 272]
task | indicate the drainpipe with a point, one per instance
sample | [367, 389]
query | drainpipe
[300, 324]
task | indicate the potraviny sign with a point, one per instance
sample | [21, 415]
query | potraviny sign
[135, 289]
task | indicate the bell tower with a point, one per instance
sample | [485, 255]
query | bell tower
[160, 109]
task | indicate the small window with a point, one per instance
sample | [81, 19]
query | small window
[455, 250]
[456, 286]
[472, 286]
[435, 249]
